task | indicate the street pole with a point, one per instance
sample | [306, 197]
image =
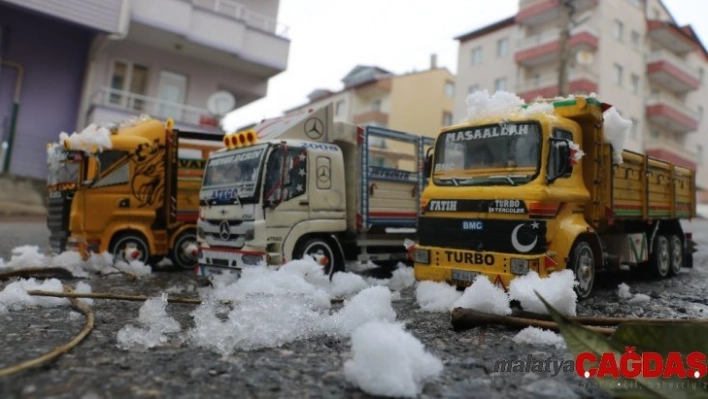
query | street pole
[567, 10]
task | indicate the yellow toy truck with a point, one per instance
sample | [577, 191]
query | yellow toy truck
[137, 197]
[540, 192]
[302, 185]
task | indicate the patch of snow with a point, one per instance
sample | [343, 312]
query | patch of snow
[92, 139]
[639, 298]
[373, 303]
[135, 267]
[483, 296]
[84, 288]
[556, 289]
[14, 297]
[403, 277]
[616, 131]
[346, 284]
[623, 291]
[26, 256]
[435, 296]
[389, 361]
[502, 104]
[539, 336]
[154, 323]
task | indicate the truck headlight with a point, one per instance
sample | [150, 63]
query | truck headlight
[519, 266]
[421, 256]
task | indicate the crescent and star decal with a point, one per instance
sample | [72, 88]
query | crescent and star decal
[515, 238]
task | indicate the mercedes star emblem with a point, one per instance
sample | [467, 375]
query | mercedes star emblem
[314, 128]
[323, 173]
[224, 232]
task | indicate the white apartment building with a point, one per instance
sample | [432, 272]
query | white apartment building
[631, 53]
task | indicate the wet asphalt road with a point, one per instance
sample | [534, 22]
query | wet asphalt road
[97, 368]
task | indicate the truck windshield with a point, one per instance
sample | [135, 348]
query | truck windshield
[62, 168]
[499, 154]
[238, 169]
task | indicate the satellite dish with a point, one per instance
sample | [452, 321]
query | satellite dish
[221, 102]
[584, 57]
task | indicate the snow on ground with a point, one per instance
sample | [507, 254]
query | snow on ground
[14, 296]
[435, 296]
[539, 336]
[483, 296]
[389, 361]
[29, 256]
[154, 324]
[623, 292]
[556, 289]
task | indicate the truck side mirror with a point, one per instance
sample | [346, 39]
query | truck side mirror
[428, 163]
[558, 159]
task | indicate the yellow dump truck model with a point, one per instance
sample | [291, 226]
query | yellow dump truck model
[303, 185]
[512, 195]
[137, 199]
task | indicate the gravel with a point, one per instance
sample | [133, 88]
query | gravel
[311, 368]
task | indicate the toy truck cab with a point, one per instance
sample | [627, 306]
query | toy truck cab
[537, 190]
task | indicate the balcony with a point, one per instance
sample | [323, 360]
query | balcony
[581, 81]
[378, 117]
[540, 12]
[221, 32]
[670, 37]
[672, 72]
[104, 16]
[671, 114]
[671, 151]
[545, 47]
[109, 105]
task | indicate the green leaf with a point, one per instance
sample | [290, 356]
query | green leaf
[684, 337]
[579, 339]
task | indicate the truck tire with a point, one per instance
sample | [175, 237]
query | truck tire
[182, 252]
[676, 247]
[660, 260]
[318, 246]
[582, 263]
[128, 241]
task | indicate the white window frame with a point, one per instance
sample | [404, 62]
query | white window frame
[449, 89]
[476, 55]
[618, 30]
[635, 79]
[502, 47]
[619, 72]
[500, 82]
[123, 100]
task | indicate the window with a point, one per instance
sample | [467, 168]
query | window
[287, 175]
[618, 30]
[131, 78]
[618, 74]
[635, 128]
[449, 89]
[635, 83]
[636, 38]
[472, 89]
[339, 108]
[554, 162]
[447, 118]
[172, 91]
[500, 84]
[376, 105]
[476, 55]
[502, 47]
[654, 134]
[699, 154]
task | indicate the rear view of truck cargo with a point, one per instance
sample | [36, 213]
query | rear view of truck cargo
[302, 185]
[130, 189]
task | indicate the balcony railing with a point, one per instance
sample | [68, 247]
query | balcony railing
[239, 11]
[139, 104]
[550, 36]
[548, 80]
[678, 105]
[683, 77]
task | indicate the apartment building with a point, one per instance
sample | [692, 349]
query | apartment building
[69, 63]
[417, 102]
[631, 53]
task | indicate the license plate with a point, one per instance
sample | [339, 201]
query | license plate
[464, 276]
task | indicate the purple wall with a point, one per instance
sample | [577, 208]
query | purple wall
[53, 55]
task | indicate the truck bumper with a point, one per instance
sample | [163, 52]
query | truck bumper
[84, 246]
[221, 260]
[460, 267]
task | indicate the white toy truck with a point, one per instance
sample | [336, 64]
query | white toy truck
[303, 185]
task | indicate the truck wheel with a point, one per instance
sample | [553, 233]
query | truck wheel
[318, 247]
[676, 255]
[184, 252]
[582, 263]
[129, 247]
[661, 257]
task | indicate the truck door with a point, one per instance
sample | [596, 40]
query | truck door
[327, 184]
[105, 186]
[285, 194]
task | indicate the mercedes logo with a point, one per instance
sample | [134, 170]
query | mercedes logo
[323, 173]
[224, 232]
[314, 128]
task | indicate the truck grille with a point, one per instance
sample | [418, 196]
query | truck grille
[58, 212]
[507, 236]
